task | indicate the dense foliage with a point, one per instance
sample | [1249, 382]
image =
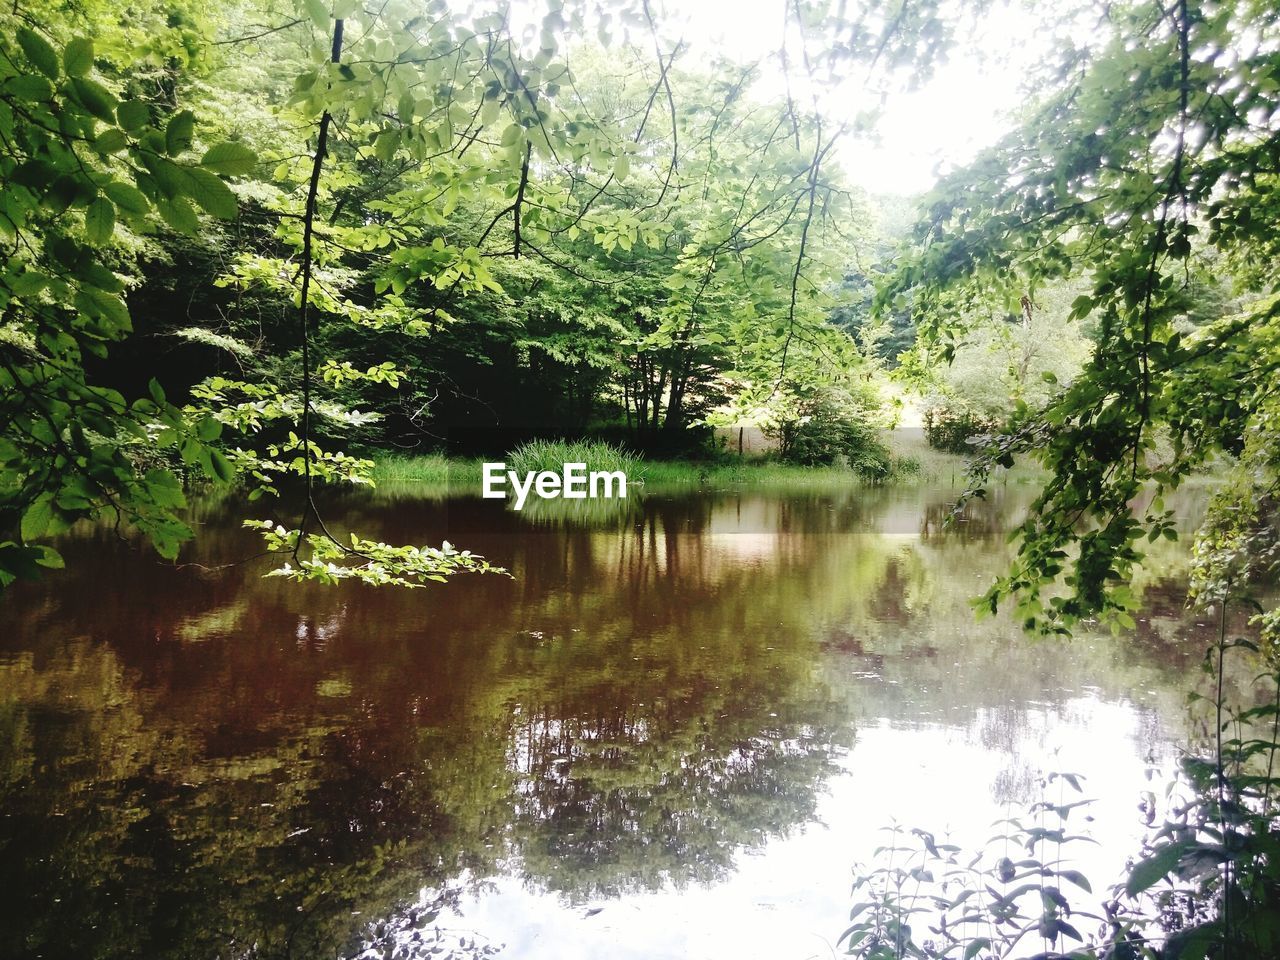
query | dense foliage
[82, 166]
[1140, 178]
[309, 232]
[832, 424]
[1145, 167]
[261, 243]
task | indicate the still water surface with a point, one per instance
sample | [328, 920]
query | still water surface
[670, 735]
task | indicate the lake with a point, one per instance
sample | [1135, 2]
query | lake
[671, 733]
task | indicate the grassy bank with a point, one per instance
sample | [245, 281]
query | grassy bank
[914, 463]
[436, 470]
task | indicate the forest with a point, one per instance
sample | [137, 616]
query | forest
[279, 276]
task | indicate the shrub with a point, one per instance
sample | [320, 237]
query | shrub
[829, 426]
[954, 430]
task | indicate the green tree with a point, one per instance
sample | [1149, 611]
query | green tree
[85, 173]
[1144, 167]
[379, 173]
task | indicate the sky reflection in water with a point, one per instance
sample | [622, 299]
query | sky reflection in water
[671, 735]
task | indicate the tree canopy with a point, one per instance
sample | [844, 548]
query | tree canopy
[256, 243]
[343, 225]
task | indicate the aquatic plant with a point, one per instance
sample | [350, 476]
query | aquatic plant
[1206, 883]
[539, 455]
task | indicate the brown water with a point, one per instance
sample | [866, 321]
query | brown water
[670, 735]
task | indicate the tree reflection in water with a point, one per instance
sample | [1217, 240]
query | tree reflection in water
[218, 765]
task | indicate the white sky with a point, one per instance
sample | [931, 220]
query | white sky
[965, 106]
[946, 121]
[787, 900]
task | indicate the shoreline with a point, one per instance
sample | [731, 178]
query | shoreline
[912, 467]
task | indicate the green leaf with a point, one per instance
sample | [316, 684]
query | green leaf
[42, 56]
[28, 283]
[222, 467]
[167, 537]
[164, 489]
[208, 429]
[37, 519]
[511, 136]
[96, 98]
[179, 132]
[318, 11]
[96, 275]
[31, 88]
[171, 178]
[622, 167]
[97, 303]
[111, 140]
[384, 147]
[66, 252]
[100, 221]
[212, 194]
[50, 558]
[134, 115]
[19, 562]
[77, 57]
[127, 197]
[1192, 943]
[1151, 871]
[67, 190]
[179, 215]
[1076, 877]
[975, 947]
[229, 159]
